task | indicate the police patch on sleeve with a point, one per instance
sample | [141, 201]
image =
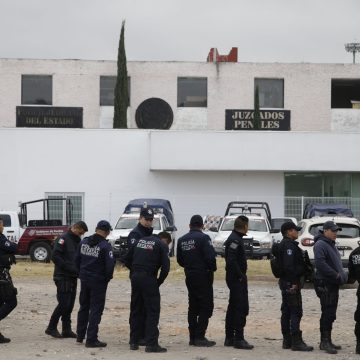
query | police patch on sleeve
[132, 240]
[289, 252]
[61, 241]
[111, 254]
[7, 243]
[233, 246]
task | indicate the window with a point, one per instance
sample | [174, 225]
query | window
[192, 92]
[6, 220]
[36, 90]
[57, 209]
[271, 93]
[343, 91]
[107, 90]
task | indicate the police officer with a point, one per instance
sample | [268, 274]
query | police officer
[293, 269]
[328, 277]
[95, 263]
[236, 280]
[196, 255]
[354, 275]
[65, 278]
[146, 256]
[142, 229]
[8, 292]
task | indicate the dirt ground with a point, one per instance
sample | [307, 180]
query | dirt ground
[26, 325]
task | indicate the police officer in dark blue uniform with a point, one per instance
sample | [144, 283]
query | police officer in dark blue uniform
[293, 268]
[96, 264]
[236, 280]
[354, 275]
[197, 256]
[65, 278]
[8, 292]
[142, 229]
[328, 278]
[146, 256]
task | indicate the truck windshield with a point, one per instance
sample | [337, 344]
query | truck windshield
[254, 225]
[130, 223]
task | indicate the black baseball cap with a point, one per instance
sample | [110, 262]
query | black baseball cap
[147, 213]
[331, 225]
[196, 220]
[103, 225]
[289, 225]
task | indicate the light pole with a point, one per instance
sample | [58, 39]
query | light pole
[354, 48]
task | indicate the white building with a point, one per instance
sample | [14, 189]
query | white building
[199, 171]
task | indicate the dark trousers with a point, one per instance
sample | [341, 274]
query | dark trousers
[357, 316]
[201, 302]
[92, 303]
[66, 294]
[144, 308]
[291, 309]
[8, 300]
[238, 308]
[329, 296]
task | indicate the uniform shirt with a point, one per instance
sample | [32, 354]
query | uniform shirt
[95, 260]
[7, 249]
[236, 263]
[138, 232]
[149, 254]
[292, 261]
[195, 252]
[354, 264]
[64, 256]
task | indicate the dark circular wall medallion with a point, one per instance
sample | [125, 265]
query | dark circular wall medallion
[154, 113]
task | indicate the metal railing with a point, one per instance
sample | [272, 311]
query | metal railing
[294, 205]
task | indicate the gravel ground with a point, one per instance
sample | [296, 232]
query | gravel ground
[26, 325]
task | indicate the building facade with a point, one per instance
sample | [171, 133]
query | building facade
[304, 145]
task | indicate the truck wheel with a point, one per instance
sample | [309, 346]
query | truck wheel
[40, 251]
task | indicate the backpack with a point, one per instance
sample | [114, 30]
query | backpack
[275, 262]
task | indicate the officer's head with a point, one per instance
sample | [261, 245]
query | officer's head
[146, 217]
[79, 228]
[196, 222]
[330, 230]
[241, 224]
[1, 225]
[165, 237]
[103, 228]
[290, 230]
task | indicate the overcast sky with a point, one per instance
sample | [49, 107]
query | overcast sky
[180, 30]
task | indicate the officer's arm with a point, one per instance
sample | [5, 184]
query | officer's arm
[321, 264]
[209, 254]
[231, 259]
[109, 262]
[8, 246]
[165, 263]
[58, 257]
[351, 268]
[78, 257]
[179, 255]
[288, 262]
[128, 258]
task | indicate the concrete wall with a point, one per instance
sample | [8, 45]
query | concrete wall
[113, 166]
[230, 86]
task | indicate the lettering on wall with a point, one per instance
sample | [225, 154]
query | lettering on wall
[277, 120]
[49, 117]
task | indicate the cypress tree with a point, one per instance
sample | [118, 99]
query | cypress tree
[257, 119]
[121, 95]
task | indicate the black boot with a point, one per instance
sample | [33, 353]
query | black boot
[325, 343]
[3, 339]
[242, 344]
[357, 350]
[155, 348]
[67, 332]
[286, 341]
[204, 342]
[229, 341]
[53, 332]
[298, 344]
